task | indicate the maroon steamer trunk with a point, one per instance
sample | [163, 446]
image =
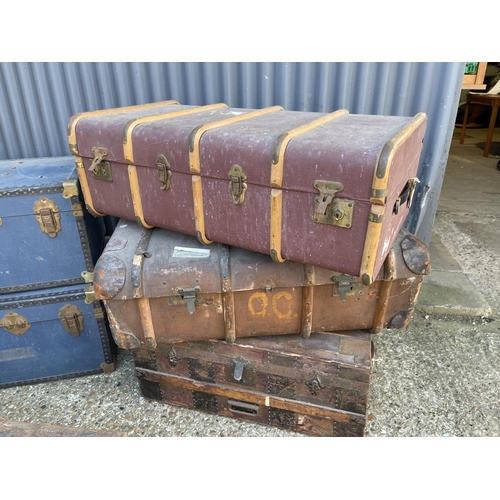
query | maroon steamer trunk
[327, 189]
[317, 386]
[160, 287]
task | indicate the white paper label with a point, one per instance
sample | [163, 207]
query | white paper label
[190, 253]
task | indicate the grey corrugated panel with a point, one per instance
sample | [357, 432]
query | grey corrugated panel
[37, 99]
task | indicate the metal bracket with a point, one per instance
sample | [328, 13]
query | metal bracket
[346, 285]
[331, 211]
[164, 172]
[189, 296]
[15, 323]
[268, 285]
[101, 169]
[48, 216]
[72, 319]
[89, 295]
[237, 184]
[70, 188]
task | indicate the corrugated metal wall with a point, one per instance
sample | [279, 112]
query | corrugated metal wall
[37, 100]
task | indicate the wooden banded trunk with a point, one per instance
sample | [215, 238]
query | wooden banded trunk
[317, 386]
[326, 189]
[162, 287]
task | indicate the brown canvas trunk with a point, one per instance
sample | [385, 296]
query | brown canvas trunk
[317, 386]
[330, 190]
[160, 287]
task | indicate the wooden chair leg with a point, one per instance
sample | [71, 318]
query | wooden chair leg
[464, 124]
[491, 128]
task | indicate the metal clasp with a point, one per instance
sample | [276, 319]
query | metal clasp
[328, 209]
[48, 216]
[99, 154]
[72, 319]
[15, 323]
[347, 285]
[237, 184]
[189, 296]
[101, 169]
[164, 172]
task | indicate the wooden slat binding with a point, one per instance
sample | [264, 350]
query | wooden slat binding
[283, 140]
[73, 122]
[197, 133]
[227, 294]
[84, 184]
[128, 152]
[308, 301]
[372, 241]
[132, 124]
[381, 174]
[277, 165]
[385, 291]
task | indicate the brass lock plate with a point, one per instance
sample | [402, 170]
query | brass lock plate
[15, 323]
[330, 210]
[345, 285]
[164, 172]
[103, 172]
[100, 168]
[338, 213]
[72, 319]
[48, 216]
[237, 184]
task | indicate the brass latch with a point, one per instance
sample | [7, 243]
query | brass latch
[346, 285]
[15, 323]
[406, 195]
[164, 172]
[189, 296]
[328, 209]
[237, 184]
[101, 169]
[72, 319]
[48, 216]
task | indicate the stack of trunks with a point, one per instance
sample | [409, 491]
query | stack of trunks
[51, 325]
[257, 253]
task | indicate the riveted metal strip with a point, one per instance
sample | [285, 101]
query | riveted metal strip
[196, 134]
[282, 142]
[73, 122]
[132, 124]
[372, 243]
[41, 285]
[381, 174]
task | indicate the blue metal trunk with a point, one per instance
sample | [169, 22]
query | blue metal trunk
[52, 334]
[47, 238]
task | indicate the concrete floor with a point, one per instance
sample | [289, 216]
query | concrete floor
[438, 377]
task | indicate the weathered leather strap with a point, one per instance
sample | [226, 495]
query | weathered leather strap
[277, 165]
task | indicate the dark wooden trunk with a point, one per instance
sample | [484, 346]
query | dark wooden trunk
[159, 286]
[326, 189]
[317, 386]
